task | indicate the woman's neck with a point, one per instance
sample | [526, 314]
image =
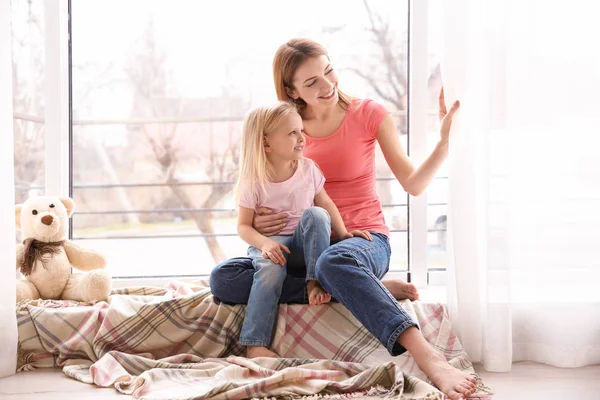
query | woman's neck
[282, 170]
[321, 113]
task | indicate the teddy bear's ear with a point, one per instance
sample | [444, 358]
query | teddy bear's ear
[69, 205]
[18, 215]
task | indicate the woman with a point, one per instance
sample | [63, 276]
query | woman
[341, 133]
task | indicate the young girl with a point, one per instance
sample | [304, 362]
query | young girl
[274, 174]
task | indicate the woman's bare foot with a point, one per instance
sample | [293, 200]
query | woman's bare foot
[454, 383]
[316, 294]
[401, 290]
[259, 351]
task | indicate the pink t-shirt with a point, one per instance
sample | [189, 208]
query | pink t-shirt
[293, 196]
[347, 158]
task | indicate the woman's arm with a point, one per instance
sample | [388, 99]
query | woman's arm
[268, 223]
[415, 181]
[323, 200]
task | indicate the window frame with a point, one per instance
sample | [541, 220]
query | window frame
[418, 70]
[58, 115]
[59, 129]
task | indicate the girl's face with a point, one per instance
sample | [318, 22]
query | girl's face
[286, 143]
[315, 82]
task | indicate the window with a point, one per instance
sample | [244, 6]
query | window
[158, 101]
[28, 58]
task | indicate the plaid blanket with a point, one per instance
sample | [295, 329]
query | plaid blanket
[177, 343]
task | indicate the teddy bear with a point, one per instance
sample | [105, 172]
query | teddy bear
[46, 256]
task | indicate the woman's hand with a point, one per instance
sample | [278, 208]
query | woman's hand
[362, 234]
[274, 251]
[268, 224]
[446, 117]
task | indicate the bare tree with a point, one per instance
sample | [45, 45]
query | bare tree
[222, 168]
[154, 98]
[387, 75]
[385, 72]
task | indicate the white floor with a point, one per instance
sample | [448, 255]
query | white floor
[527, 381]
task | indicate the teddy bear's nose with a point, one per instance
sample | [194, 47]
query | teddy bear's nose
[47, 220]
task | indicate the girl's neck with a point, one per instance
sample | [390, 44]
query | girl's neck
[282, 170]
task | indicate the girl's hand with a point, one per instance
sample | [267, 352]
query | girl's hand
[273, 251]
[446, 117]
[362, 234]
[268, 224]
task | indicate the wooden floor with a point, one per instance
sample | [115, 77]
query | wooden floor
[527, 381]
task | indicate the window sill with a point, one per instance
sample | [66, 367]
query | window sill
[429, 294]
[433, 294]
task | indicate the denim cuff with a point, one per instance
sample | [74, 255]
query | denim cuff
[393, 347]
[254, 343]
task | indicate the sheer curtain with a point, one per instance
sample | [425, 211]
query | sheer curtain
[8, 322]
[524, 168]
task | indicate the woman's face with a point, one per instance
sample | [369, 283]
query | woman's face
[315, 82]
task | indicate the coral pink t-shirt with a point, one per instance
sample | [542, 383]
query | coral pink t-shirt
[347, 158]
[292, 197]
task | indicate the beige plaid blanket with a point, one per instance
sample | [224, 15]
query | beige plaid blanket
[177, 343]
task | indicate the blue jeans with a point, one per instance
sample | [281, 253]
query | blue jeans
[311, 238]
[349, 270]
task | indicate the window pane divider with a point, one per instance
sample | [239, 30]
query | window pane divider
[417, 139]
[57, 98]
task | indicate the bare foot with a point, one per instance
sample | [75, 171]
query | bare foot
[259, 351]
[452, 382]
[401, 290]
[316, 294]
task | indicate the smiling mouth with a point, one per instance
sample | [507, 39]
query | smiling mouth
[299, 148]
[329, 95]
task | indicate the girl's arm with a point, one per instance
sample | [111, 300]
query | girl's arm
[270, 248]
[415, 181]
[323, 200]
[245, 229]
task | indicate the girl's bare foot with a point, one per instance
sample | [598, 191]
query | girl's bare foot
[316, 294]
[401, 290]
[259, 351]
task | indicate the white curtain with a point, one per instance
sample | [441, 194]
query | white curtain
[524, 192]
[8, 322]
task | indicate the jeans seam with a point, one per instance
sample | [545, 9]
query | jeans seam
[253, 343]
[352, 253]
[314, 240]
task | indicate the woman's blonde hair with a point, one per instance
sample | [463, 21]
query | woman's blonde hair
[255, 169]
[288, 58]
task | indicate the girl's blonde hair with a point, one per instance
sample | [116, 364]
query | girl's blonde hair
[288, 58]
[255, 169]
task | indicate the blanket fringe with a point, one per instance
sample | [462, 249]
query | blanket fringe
[375, 391]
